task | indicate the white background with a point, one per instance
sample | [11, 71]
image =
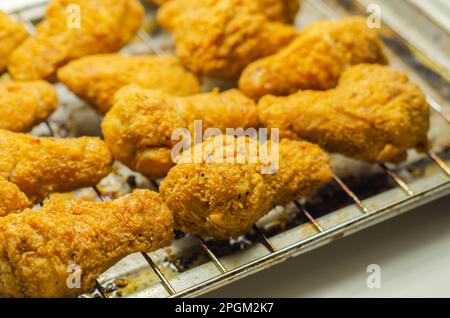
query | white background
[413, 251]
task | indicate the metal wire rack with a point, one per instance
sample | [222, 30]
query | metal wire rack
[323, 231]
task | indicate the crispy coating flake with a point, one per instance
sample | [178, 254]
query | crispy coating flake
[283, 11]
[104, 26]
[221, 37]
[139, 126]
[315, 60]
[40, 249]
[374, 114]
[97, 78]
[11, 198]
[40, 166]
[223, 200]
[25, 104]
[12, 33]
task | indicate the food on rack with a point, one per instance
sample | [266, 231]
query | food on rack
[138, 128]
[40, 166]
[97, 78]
[375, 114]
[25, 104]
[221, 199]
[283, 11]
[11, 198]
[315, 60]
[44, 253]
[221, 37]
[72, 29]
[12, 33]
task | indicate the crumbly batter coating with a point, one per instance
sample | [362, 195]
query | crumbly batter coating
[285, 11]
[11, 198]
[105, 26]
[375, 114]
[222, 199]
[25, 104]
[139, 127]
[315, 59]
[12, 33]
[40, 166]
[37, 248]
[221, 37]
[97, 78]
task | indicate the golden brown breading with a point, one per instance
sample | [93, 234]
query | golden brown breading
[221, 37]
[283, 11]
[224, 200]
[40, 166]
[105, 26]
[374, 114]
[11, 198]
[315, 60]
[40, 249]
[97, 78]
[25, 104]
[139, 126]
[12, 33]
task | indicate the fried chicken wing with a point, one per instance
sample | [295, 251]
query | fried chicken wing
[97, 78]
[221, 37]
[223, 199]
[139, 126]
[40, 250]
[314, 60]
[72, 29]
[12, 33]
[374, 114]
[40, 166]
[11, 198]
[283, 11]
[25, 104]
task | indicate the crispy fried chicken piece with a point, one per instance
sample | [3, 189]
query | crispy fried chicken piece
[12, 33]
[283, 11]
[97, 78]
[139, 126]
[25, 104]
[222, 199]
[40, 166]
[374, 114]
[315, 60]
[40, 249]
[11, 198]
[221, 37]
[104, 26]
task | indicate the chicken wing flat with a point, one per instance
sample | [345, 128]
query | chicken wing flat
[40, 250]
[315, 60]
[139, 127]
[40, 166]
[11, 198]
[223, 199]
[25, 104]
[221, 37]
[374, 114]
[274, 10]
[97, 78]
[72, 29]
[12, 33]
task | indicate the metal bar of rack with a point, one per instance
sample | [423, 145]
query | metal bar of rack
[323, 234]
